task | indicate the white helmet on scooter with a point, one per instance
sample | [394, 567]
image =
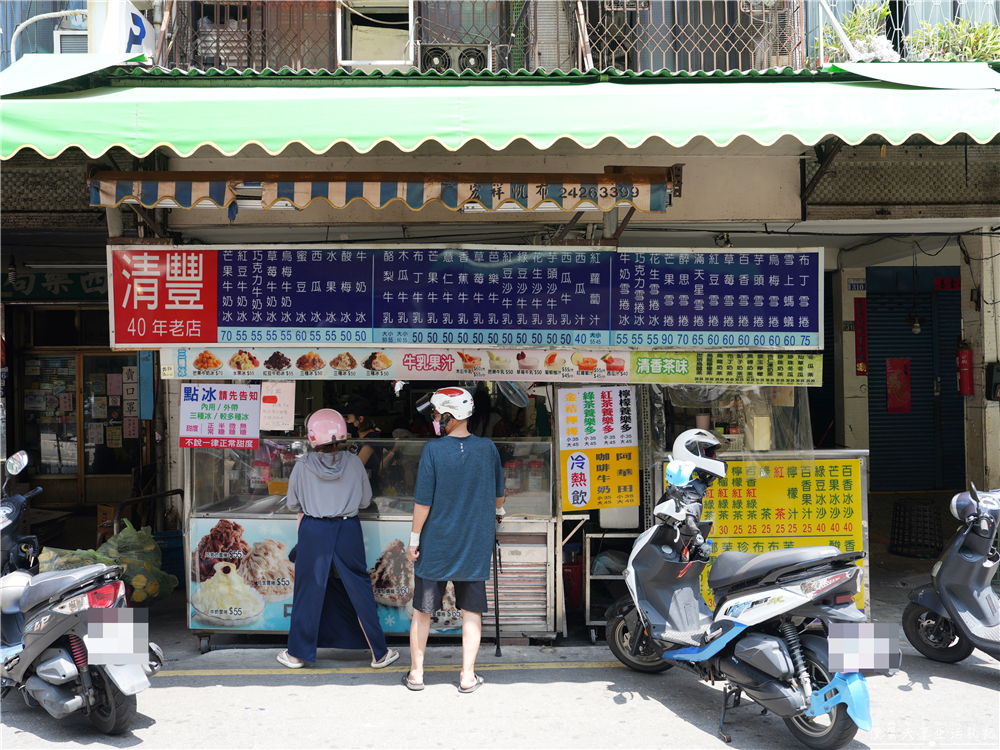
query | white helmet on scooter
[699, 447]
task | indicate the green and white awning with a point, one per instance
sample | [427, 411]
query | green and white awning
[142, 110]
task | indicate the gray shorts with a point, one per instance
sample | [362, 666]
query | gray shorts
[469, 595]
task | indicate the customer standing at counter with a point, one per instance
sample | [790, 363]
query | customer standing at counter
[459, 494]
[361, 426]
[327, 488]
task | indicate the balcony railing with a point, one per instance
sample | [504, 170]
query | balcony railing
[629, 35]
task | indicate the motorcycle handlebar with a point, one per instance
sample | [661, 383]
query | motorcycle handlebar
[33, 493]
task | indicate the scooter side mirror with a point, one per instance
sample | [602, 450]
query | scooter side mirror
[974, 494]
[17, 463]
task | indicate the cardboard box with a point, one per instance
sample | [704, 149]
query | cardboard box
[106, 513]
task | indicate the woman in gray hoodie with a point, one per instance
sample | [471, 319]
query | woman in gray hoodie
[331, 609]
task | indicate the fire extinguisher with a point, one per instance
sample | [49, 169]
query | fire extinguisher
[963, 361]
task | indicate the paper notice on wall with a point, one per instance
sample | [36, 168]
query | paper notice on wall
[99, 409]
[65, 402]
[130, 374]
[130, 427]
[95, 433]
[97, 384]
[114, 436]
[114, 384]
[277, 406]
[58, 386]
[114, 401]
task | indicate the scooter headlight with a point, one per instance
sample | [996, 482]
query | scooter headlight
[962, 506]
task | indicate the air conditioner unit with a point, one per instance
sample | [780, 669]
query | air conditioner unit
[460, 57]
[69, 41]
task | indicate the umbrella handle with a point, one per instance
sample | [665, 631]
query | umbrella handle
[496, 591]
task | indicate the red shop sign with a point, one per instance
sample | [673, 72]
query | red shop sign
[163, 296]
[861, 335]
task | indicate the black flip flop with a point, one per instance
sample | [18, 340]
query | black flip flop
[475, 686]
[415, 687]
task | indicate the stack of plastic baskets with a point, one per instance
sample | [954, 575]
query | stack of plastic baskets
[171, 544]
[916, 529]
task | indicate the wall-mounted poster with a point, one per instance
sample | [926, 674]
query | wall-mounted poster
[598, 448]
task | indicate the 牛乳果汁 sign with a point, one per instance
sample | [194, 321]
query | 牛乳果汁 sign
[598, 448]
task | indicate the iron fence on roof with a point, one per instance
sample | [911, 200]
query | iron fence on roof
[628, 35]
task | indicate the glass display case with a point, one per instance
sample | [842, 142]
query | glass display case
[238, 521]
[231, 482]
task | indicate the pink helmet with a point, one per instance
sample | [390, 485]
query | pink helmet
[325, 426]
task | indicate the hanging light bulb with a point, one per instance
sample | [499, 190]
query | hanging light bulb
[916, 326]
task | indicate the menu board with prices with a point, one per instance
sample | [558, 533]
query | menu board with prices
[598, 448]
[490, 296]
[762, 506]
[699, 299]
[728, 368]
[220, 416]
[302, 363]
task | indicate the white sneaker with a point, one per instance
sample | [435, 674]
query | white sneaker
[284, 658]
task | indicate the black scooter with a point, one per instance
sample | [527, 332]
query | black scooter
[44, 630]
[958, 611]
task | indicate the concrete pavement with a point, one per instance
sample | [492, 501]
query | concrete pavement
[535, 696]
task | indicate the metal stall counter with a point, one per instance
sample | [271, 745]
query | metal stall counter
[240, 533]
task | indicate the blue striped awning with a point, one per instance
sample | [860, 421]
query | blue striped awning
[149, 193]
[648, 193]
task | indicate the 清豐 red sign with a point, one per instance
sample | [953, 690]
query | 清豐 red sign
[163, 296]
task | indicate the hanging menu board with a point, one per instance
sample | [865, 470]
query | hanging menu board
[464, 296]
[598, 448]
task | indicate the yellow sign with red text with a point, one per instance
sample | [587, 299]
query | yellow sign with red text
[598, 448]
[762, 506]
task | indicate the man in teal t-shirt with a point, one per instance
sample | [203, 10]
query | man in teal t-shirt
[458, 496]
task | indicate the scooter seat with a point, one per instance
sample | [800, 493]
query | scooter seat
[44, 586]
[736, 567]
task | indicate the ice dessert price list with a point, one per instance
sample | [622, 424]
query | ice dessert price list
[497, 297]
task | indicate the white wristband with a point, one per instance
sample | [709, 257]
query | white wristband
[501, 512]
[414, 538]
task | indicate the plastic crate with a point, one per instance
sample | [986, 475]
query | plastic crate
[171, 544]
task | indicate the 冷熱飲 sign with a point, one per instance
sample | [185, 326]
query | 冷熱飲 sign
[598, 448]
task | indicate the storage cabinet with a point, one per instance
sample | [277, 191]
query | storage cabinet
[601, 591]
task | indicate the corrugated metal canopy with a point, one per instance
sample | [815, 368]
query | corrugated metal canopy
[141, 110]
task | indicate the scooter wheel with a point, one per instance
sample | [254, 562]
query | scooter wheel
[618, 637]
[948, 645]
[829, 731]
[117, 712]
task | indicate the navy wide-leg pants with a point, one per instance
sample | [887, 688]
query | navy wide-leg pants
[326, 609]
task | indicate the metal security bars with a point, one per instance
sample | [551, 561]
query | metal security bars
[627, 35]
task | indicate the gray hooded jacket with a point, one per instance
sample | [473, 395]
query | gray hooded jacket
[326, 485]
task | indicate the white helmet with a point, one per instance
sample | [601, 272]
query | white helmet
[454, 401]
[698, 447]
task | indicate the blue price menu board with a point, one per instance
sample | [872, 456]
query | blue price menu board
[295, 295]
[492, 297]
[697, 299]
[509, 296]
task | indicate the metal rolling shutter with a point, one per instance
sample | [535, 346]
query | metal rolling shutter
[915, 451]
[902, 445]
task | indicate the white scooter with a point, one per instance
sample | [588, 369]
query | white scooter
[768, 635]
[44, 633]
